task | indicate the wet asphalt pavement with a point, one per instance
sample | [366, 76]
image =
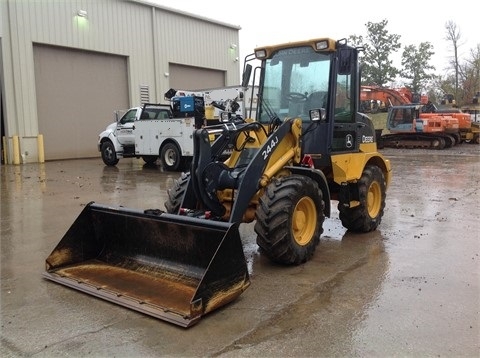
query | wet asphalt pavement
[409, 289]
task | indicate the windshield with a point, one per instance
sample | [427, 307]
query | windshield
[295, 81]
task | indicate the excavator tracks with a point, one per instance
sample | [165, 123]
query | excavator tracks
[414, 140]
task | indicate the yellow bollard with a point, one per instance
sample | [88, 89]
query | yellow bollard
[16, 150]
[41, 152]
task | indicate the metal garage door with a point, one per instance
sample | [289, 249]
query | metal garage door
[194, 78]
[77, 92]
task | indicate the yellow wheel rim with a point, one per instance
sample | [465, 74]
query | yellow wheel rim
[304, 221]
[374, 199]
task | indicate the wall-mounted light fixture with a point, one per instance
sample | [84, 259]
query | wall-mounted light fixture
[233, 46]
[82, 13]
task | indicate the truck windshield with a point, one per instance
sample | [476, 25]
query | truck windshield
[295, 81]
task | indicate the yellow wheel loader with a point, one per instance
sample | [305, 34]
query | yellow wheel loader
[307, 146]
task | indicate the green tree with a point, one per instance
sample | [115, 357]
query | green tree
[378, 68]
[416, 67]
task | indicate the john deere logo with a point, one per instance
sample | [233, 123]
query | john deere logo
[349, 141]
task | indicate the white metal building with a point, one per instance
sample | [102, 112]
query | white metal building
[67, 65]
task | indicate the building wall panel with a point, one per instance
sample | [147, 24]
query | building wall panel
[149, 37]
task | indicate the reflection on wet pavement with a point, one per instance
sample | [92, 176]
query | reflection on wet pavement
[411, 288]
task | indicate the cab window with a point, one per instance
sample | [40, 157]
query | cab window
[164, 114]
[343, 103]
[129, 116]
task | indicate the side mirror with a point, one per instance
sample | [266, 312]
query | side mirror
[246, 75]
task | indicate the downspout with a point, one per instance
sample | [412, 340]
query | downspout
[155, 56]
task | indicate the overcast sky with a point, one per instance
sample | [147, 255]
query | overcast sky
[270, 22]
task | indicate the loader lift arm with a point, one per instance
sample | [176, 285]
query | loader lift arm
[261, 156]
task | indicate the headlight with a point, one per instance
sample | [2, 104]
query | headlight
[261, 54]
[224, 117]
[321, 45]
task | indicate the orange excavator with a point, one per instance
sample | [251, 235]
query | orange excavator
[468, 130]
[468, 117]
[454, 125]
[457, 122]
[410, 128]
[413, 121]
[378, 99]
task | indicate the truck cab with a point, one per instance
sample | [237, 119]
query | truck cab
[118, 139]
[124, 126]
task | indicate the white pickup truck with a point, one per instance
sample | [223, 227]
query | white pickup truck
[149, 132]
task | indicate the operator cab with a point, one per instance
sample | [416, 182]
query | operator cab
[315, 82]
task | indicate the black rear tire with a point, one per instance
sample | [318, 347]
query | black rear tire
[176, 194]
[171, 157]
[290, 217]
[109, 156]
[371, 191]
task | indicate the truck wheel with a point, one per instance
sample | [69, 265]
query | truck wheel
[176, 193]
[109, 156]
[171, 157]
[371, 191]
[149, 159]
[289, 217]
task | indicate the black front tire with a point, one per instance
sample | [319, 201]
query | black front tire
[109, 156]
[171, 157]
[176, 194]
[371, 192]
[290, 219]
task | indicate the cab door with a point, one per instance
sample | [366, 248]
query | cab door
[125, 127]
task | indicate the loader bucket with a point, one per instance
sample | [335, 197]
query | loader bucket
[172, 267]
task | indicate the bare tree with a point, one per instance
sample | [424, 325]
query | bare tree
[454, 35]
[470, 75]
